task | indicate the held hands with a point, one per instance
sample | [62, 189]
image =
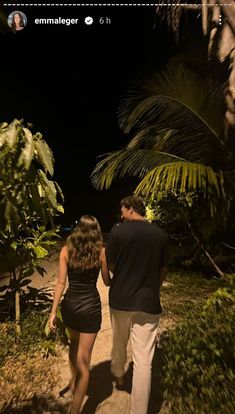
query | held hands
[52, 322]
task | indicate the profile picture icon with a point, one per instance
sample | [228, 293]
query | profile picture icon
[17, 20]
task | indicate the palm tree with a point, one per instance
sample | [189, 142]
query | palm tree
[175, 121]
[218, 18]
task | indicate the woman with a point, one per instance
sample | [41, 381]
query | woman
[17, 22]
[80, 259]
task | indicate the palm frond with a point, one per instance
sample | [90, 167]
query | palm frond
[150, 138]
[171, 12]
[198, 148]
[176, 97]
[128, 162]
[182, 176]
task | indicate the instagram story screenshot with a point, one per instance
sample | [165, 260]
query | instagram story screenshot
[99, 102]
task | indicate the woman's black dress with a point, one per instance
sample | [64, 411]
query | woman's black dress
[81, 307]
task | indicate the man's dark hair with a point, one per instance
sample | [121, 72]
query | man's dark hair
[136, 203]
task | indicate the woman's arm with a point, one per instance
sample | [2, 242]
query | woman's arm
[104, 268]
[60, 285]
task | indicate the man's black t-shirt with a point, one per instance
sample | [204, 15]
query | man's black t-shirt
[136, 251]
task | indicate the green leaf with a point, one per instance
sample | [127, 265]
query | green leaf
[128, 162]
[48, 235]
[177, 175]
[3, 125]
[14, 245]
[28, 271]
[176, 97]
[48, 189]
[26, 155]
[9, 134]
[41, 270]
[60, 208]
[45, 155]
[40, 252]
[25, 282]
[47, 330]
[11, 213]
[59, 191]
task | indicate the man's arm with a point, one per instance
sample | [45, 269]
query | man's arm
[104, 269]
[112, 248]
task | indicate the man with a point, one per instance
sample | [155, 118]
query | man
[136, 255]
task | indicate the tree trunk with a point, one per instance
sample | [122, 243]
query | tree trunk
[207, 254]
[228, 8]
[224, 9]
[226, 49]
[17, 314]
[17, 307]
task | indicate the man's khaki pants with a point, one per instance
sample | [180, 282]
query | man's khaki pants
[142, 329]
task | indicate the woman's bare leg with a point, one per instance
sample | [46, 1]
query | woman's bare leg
[73, 351]
[86, 343]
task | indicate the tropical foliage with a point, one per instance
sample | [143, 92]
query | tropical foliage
[199, 371]
[177, 149]
[175, 120]
[28, 204]
[218, 24]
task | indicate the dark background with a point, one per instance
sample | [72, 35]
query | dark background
[67, 81]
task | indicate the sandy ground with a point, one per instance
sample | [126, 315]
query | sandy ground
[102, 396]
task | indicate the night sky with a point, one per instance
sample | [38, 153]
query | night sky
[67, 81]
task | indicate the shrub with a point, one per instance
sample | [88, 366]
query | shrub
[28, 206]
[33, 338]
[199, 370]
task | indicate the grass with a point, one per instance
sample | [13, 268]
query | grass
[28, 365]
[185, 292]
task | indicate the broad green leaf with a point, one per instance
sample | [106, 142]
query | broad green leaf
[45, 155]
[48, 243]
[10, 133]
[49, 189]
[59, 191]
[48, 235]
[26, 155]
[42, 229]
[40, 252]
[3, 125]
[60, 208]
[36, 193]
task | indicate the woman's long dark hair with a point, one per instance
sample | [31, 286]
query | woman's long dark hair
[84, 244]
[13, 25]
